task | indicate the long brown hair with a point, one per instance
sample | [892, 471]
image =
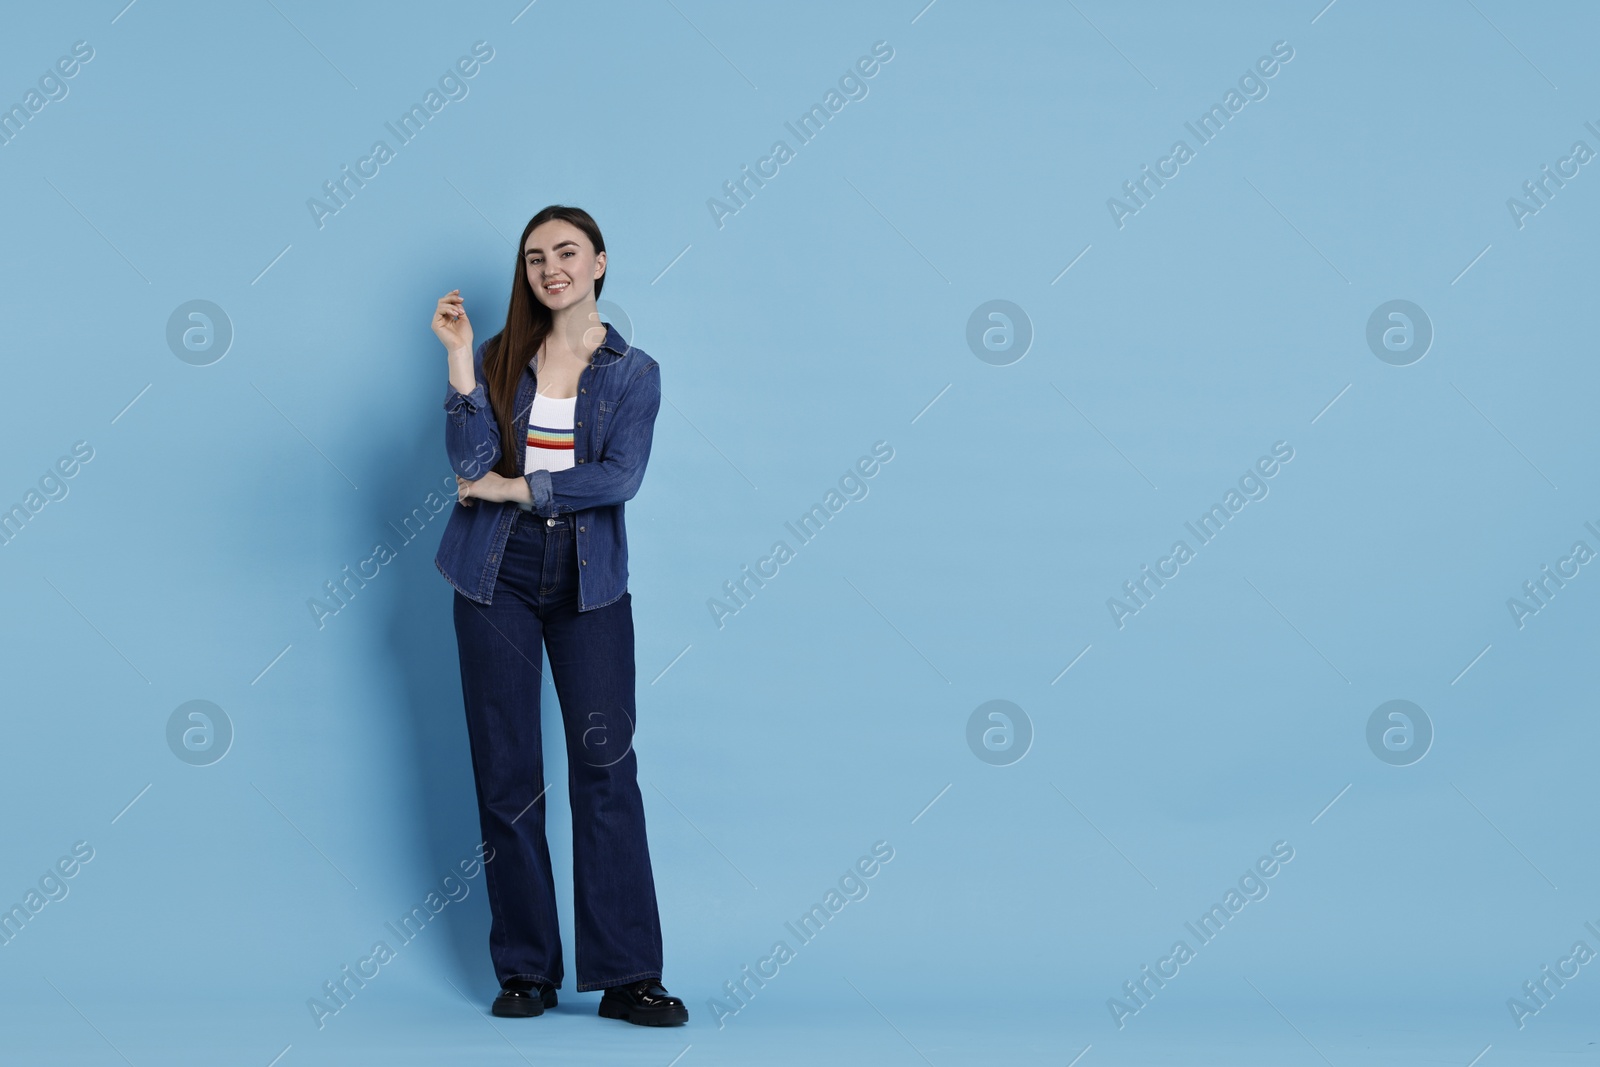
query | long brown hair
[528, 323]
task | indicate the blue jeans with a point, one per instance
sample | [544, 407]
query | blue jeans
[616, 927]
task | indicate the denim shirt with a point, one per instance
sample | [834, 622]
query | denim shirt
[619, 393]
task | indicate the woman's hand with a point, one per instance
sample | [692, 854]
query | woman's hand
[450, 323]
[481, 489]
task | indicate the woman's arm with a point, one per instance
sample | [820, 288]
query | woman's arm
[615, 476]
[471, 432]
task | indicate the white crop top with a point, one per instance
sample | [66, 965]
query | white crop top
[549, 444]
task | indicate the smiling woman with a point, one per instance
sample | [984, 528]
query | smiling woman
[548, 427]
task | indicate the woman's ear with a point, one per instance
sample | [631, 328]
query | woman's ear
[599, 264]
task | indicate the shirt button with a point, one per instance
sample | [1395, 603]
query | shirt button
[584, 562]
[581, 529]
[580, 424]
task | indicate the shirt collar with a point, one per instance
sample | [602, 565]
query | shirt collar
[614, 340]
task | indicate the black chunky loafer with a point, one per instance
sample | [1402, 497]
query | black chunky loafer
[645, 1002]
[522, 997]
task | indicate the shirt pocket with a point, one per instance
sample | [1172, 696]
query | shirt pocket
[602, 423]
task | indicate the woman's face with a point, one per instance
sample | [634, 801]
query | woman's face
[562, 265]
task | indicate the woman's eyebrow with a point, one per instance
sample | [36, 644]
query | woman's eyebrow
[559, 244]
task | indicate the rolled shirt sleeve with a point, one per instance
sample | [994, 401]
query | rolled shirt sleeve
[471, 432]
[615, 476]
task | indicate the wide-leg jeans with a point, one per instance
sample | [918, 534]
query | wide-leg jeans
[616, 927]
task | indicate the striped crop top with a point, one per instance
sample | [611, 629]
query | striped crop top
[549, 444]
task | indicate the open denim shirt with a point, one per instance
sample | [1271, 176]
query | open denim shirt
[619, 393]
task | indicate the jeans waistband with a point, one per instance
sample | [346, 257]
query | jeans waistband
[525, 516]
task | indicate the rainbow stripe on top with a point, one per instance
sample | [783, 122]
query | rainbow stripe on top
[556, 440]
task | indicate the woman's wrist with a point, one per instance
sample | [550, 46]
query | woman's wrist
[461, 371]
[518, 491]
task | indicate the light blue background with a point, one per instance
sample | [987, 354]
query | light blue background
[828, 314]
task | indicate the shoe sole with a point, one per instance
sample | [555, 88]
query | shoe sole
[522, 1007]
[668, 1018]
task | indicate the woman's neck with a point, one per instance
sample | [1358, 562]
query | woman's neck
[575, 332]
